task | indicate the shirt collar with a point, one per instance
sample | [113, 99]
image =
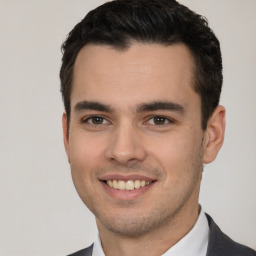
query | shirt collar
[193, 244]
[97, 248]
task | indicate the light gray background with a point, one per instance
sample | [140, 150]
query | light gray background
[40, 212]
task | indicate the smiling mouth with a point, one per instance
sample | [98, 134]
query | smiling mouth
[127, 185]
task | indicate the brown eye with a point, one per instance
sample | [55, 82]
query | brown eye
[158, 120]
[96, 120]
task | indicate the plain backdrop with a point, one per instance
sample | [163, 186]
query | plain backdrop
[40, 212]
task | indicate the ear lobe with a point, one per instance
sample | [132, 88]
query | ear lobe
[214, 134]
[65, 133]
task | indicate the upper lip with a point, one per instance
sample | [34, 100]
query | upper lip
[125, 177]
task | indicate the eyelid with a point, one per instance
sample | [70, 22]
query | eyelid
[87, 118]
[106, 120]
[168, 119]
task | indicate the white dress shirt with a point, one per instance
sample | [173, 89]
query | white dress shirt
[193, 244]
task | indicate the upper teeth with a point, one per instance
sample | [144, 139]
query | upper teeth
[127, 185]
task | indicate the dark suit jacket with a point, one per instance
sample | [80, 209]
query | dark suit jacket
[219, 244]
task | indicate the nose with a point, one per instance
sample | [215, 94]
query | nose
[126, 146]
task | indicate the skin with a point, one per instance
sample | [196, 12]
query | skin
[130, 138]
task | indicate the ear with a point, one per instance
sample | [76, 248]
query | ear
[65, 133]
[214, 134]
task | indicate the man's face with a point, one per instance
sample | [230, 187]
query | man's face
[136, 125]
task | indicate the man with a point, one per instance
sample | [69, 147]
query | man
[141, 81]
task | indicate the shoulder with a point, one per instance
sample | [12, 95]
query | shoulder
[221, 244]
[85, 252]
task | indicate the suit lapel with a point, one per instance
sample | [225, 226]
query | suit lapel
[221, 245]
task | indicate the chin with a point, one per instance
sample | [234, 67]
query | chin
[133, 225]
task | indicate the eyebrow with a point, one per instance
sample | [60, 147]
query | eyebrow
[91, 105]
[161, 105]
[144, 107]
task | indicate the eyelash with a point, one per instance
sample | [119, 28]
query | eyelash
[89, 120]
[92, 117]
[163, 118]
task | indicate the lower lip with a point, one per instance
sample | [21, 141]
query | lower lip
[126, 194]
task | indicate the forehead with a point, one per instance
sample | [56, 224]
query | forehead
[145, 72]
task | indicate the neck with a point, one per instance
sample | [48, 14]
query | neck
[155, 242]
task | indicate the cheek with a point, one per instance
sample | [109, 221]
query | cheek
[171, 149]
[85, 154]
[84, 148]
[83, 160]
[177, 154]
